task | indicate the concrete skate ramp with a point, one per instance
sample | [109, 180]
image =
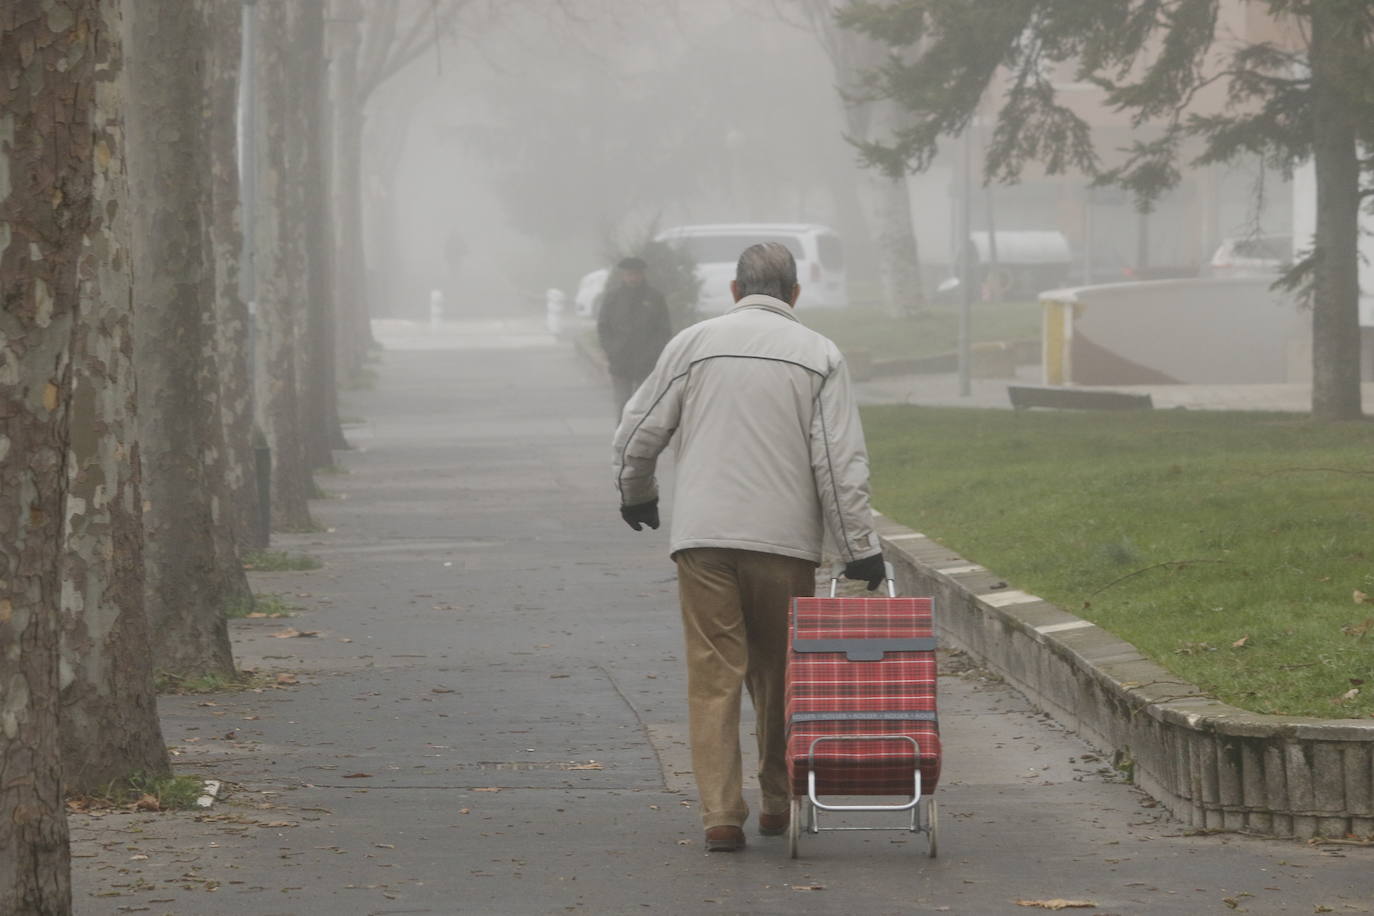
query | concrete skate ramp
[1203, 331]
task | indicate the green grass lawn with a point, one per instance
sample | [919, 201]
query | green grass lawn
[1234, 549]
[933, 331]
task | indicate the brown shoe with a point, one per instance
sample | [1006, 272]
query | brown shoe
[725, 838]
[774, 824]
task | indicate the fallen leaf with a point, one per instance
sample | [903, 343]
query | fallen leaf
[556, 676]
[808, 887]
[385, 845]
[589, 765]
[1232, 902]
[290, 633]
[464, 810]
[1358, 630]
[358, 776]
[1059, 904]
[280, 824]
[1240, 643]
[488, 789]
[147, 803]
[441, 690]
[284, 678]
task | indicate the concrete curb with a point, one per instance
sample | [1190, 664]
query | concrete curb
[1214, 766]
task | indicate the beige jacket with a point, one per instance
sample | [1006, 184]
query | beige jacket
[770, 451]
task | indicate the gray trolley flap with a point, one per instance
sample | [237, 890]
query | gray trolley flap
[864, 650]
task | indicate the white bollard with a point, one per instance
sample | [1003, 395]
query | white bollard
[554, 302]
[436, 307]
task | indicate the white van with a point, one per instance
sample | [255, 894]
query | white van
[716, 249]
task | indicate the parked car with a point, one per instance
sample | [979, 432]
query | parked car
[1028, 261]
[716, 249]
[1251, 255]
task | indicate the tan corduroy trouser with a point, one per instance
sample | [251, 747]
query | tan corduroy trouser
[735, 606]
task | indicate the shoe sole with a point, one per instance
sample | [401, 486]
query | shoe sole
[779, 831]
[731, 845]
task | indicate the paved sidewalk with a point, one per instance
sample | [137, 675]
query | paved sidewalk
[943, 391]
[489, 718]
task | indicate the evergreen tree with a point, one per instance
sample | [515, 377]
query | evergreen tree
[1307, 96]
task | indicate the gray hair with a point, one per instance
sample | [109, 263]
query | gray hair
[766, 269]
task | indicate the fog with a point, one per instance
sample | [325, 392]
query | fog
[547, 138]
[514, 159]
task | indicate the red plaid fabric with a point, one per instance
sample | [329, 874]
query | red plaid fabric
[830, 682]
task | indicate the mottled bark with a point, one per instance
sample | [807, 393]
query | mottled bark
[319, 391]
[190, 574]
[232, 341]
[224, 463]
[281, 267]
[350, 262]
[885, 203]
[887, 211]
[49, 53]
[1337, 45]
[110, 728]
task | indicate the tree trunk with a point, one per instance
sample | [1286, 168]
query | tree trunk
[109, 726]
[354, 335]
[233, 341]
[351, 275]
[1336, 48]
[49, 55]
[885, 203]
[888, 211]
[189, 577]
[281, 268]
[318, 384]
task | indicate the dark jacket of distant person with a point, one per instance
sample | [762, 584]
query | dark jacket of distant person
[633, 324]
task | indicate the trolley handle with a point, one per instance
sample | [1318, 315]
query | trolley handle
[891, 580]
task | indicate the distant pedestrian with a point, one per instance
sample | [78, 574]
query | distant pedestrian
[633, 326]
[770, 454]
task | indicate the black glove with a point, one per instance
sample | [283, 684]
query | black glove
[871, 568]
[639, 516]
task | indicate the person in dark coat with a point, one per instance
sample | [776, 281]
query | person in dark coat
[633, 327]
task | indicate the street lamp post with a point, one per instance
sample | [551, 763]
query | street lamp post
[965, 268]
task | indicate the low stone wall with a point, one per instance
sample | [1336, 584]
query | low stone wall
[1214, 766]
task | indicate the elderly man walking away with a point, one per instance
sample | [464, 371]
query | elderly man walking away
[633, 326]
[770, 454]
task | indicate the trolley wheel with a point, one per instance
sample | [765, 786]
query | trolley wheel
[808, 817]
[794, 828]
[932, 828]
